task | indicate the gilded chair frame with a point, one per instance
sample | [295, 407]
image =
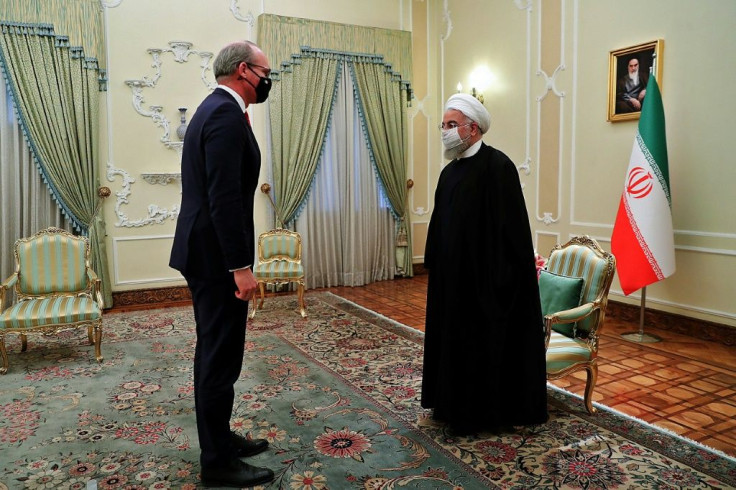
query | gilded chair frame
[295, 258]
[91, 289]
[591, 313]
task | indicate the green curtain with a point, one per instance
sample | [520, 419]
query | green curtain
[81, 20]
[386, 56]
[56, 92]
[383, 116]
[300, 107]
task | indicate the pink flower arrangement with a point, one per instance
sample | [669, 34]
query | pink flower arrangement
[541, 263]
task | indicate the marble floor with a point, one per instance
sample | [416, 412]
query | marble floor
[681, 383]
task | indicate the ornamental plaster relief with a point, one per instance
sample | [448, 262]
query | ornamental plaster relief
[180, 52]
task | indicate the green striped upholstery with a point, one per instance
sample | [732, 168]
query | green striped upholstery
[279, 269]
[280, 262]
[581, 261]
[279, 246]
[50, 311]
[52, 263]
[568, 352]
[55, 290]
[563, 352]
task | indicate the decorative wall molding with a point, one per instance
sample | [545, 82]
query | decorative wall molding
[116, 241]
[526, 165]
[181, 51]
[156, 214]
[248, 18]
[162, 178]
[448, 23]
[111, 4]
[538, 234]
[547, 217]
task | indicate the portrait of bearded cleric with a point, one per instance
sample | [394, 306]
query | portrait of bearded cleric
[630, 71]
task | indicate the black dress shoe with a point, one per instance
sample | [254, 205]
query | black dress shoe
[247, 447]
[235, 473]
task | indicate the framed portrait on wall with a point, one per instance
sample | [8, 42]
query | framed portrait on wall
[629, 70]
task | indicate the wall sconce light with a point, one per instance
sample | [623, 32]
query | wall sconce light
[473, 92]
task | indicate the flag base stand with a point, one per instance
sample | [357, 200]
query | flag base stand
[640, 336]
[644, 338]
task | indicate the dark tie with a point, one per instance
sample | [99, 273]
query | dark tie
[247, 118]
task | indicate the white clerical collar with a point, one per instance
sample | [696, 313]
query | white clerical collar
[237, 96]
[472, 150]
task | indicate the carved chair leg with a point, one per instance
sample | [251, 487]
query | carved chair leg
[589, 386]
[262, 289]
[23, 342]
[254, 306]
[4, 355]
[302, 309]
[98, 342]
[90, 334]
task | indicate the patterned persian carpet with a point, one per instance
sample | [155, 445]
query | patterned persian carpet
[336, 394]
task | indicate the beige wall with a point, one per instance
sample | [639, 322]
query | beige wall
[549, 110]
[141, 110]
[548, 105]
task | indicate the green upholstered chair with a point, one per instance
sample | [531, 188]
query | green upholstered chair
[279, 262]
[572, 334]
[55, 290]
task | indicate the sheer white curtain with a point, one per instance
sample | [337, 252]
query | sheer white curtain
[26, 205]
[346, 225]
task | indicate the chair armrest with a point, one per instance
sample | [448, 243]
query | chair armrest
[96, 287]
[567, 316]
[5, 286]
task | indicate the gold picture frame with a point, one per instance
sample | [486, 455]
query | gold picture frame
[648, 56]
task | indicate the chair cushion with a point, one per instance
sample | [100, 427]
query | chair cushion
[563, 352]
[48, 311]
[279, 269]
[558, 293]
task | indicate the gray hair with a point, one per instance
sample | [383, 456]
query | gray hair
[231, 56]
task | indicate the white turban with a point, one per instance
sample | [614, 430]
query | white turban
[471, 107]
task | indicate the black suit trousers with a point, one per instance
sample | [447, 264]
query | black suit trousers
[218, 360]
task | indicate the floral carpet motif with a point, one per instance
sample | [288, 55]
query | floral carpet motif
[337, 396]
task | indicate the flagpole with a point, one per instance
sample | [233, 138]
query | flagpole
[640, 336]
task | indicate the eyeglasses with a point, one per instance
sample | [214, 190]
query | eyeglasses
[266, 70]
[452, 125]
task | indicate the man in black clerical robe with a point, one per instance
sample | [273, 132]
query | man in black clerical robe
[484, 356]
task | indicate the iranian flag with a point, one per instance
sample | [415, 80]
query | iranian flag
[643, 241]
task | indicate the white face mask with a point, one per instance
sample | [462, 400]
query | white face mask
[451, 138]
[453, 143]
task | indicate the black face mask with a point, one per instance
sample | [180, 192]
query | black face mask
[263, 87]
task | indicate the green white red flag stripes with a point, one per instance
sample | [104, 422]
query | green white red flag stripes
[643, 240]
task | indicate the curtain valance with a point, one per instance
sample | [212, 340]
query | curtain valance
[280, 37]
[22, 29]
[82, 20]
[307, 52]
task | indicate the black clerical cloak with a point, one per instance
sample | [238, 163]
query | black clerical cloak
[484, 335]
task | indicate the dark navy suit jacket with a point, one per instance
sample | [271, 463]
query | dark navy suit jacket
[220, 165]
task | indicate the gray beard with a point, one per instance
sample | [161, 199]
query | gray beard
[634, 78]
[453, 153]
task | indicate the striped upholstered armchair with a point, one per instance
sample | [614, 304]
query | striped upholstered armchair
[279, 262]
[574, 292]
[55, 290]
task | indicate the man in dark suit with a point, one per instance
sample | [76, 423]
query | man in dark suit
[214, 250]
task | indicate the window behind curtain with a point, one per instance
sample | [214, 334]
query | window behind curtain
[26, 205]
